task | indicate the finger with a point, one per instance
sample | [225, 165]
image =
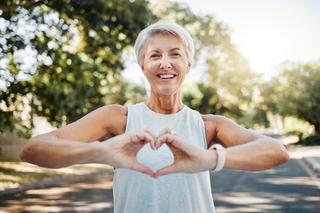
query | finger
[152, 142]
[132, 137]
[143, 137]
[147, 137]
[161, 135]
[183, 145]
[160, 140]
[163, 139]
[143, 169]
[150, 133]
[164, 131]
[165, 171]
[170, 131]
[173, 132]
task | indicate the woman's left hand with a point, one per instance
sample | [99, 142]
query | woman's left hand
[188, 158]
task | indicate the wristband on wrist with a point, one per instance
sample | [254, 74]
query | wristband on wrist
[220, 158]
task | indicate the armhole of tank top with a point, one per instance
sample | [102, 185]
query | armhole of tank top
[203, 131]
[129, 109]
[114, 169]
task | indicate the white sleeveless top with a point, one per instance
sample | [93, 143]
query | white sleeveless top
[135, 192]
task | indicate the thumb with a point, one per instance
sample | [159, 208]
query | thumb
[165, 171]
[143, 169]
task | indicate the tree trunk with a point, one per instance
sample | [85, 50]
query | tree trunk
[317, 128]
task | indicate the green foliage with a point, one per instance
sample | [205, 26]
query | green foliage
[77, 47]
[208, 33]
[74, 50]
[229, 83]
[206, 100]
[295, 92]
[14, 98]
[312, 140]
[255, 117]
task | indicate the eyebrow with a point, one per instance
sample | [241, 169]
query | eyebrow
[157, 50]
[176, 48]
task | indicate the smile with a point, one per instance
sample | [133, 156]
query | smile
[166, 76]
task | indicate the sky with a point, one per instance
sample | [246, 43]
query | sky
[267, 32]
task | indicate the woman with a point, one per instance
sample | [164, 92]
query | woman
[160, 147]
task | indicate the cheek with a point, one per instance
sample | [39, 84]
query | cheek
[149, 69]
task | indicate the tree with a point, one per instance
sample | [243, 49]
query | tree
[76, 47]
[295, 92]
[229, 82]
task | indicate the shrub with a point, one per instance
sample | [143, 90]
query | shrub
[311, 140]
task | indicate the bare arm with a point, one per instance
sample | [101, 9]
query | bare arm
[76, 143]
[50, 151]
[246, 150]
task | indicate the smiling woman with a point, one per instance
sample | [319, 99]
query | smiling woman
[159, 148]
[165, 64]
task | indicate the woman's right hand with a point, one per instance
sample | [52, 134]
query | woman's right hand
[122, 150]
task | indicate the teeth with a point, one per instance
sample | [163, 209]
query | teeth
[166, 76]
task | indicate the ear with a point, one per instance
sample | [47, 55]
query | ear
[141, 65]
[142, 68]
[189, 67]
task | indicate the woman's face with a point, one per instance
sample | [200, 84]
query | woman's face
[165, 64]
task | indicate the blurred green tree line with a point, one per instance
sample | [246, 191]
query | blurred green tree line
[74, 54]
[77, 46]
[294, 92]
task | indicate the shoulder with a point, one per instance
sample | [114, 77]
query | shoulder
[109, 113]
[226, 131]
[101, 123]
[118, 109]
[215, 118]
[213, 123]
[216, 121]
[217, 126]
[116, 117]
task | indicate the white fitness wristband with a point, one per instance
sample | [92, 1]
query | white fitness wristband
[221, 156]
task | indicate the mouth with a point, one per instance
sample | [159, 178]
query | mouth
[166, 76]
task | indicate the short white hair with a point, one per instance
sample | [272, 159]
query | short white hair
[163, 27]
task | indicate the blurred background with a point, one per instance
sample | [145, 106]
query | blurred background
[256, 63]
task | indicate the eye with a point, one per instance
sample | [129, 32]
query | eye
[154, 55]
[176, 54]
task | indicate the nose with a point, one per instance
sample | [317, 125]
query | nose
[165, 63]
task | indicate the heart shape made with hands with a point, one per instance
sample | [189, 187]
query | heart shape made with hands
[155, 159]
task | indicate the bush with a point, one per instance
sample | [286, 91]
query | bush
[311, 140]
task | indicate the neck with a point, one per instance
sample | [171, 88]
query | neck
[165, 104]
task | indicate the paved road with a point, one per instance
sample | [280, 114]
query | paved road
[287, 188]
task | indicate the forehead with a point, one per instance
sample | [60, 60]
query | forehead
[164, 42]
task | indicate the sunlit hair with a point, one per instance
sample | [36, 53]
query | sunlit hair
[163, 27]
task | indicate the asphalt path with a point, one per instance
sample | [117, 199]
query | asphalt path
[287, 188]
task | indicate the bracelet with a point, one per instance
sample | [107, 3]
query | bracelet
[221, 156]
